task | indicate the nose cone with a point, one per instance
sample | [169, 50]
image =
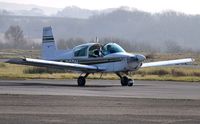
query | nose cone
[141, 57]
[137, 58]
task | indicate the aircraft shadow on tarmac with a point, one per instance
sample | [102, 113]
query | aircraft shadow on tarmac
[64, 85]
[72, 85]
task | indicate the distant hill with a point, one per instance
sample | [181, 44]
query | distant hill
[160, 29]
[76, 12]
[69, 11]
[79, 13]
[24, 9]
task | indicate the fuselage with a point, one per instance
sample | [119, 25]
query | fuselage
[110, 57]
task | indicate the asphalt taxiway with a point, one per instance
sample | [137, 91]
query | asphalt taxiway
[100, 101]
[103, 88]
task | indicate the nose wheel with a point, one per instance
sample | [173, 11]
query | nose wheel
[125, 81]
[130, 82]
[81, 81]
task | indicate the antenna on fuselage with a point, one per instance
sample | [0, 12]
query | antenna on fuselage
[97, 40]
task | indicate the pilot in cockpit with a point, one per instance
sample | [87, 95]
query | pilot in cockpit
[107, 49]
[95, 51]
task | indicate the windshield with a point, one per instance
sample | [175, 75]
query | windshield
[111, 48]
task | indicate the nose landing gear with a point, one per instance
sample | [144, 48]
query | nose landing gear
[125, 81]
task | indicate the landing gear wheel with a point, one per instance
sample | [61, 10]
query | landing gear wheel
[81, 81]
[124, 81]
[130, 82]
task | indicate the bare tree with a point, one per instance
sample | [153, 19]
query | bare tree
[15, 38]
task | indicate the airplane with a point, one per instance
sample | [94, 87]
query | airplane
[92, 58]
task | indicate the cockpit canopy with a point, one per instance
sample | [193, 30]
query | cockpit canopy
[96, 50]
[111, 48]
[81, 51]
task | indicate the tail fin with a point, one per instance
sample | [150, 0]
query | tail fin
[48, 44]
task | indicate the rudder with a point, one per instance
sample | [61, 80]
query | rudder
[48, 44]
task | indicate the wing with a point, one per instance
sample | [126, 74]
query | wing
[55, 64]
[169, 62]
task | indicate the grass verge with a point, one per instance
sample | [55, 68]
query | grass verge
[11, 71]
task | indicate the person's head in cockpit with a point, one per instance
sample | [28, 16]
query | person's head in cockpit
[110, 49]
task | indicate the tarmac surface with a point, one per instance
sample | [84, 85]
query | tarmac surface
[100, 101]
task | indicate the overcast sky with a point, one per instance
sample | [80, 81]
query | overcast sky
[186, 6]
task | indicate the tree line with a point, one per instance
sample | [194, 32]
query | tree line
[14, 38]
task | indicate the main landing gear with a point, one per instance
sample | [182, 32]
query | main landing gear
[125, 81]
[81, 80]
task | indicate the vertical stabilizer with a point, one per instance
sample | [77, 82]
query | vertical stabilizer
[48, 44]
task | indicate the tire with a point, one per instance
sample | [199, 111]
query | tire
[81, 81]
[130, 82]
[124, 81]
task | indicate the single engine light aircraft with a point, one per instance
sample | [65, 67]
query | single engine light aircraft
[93, 58]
